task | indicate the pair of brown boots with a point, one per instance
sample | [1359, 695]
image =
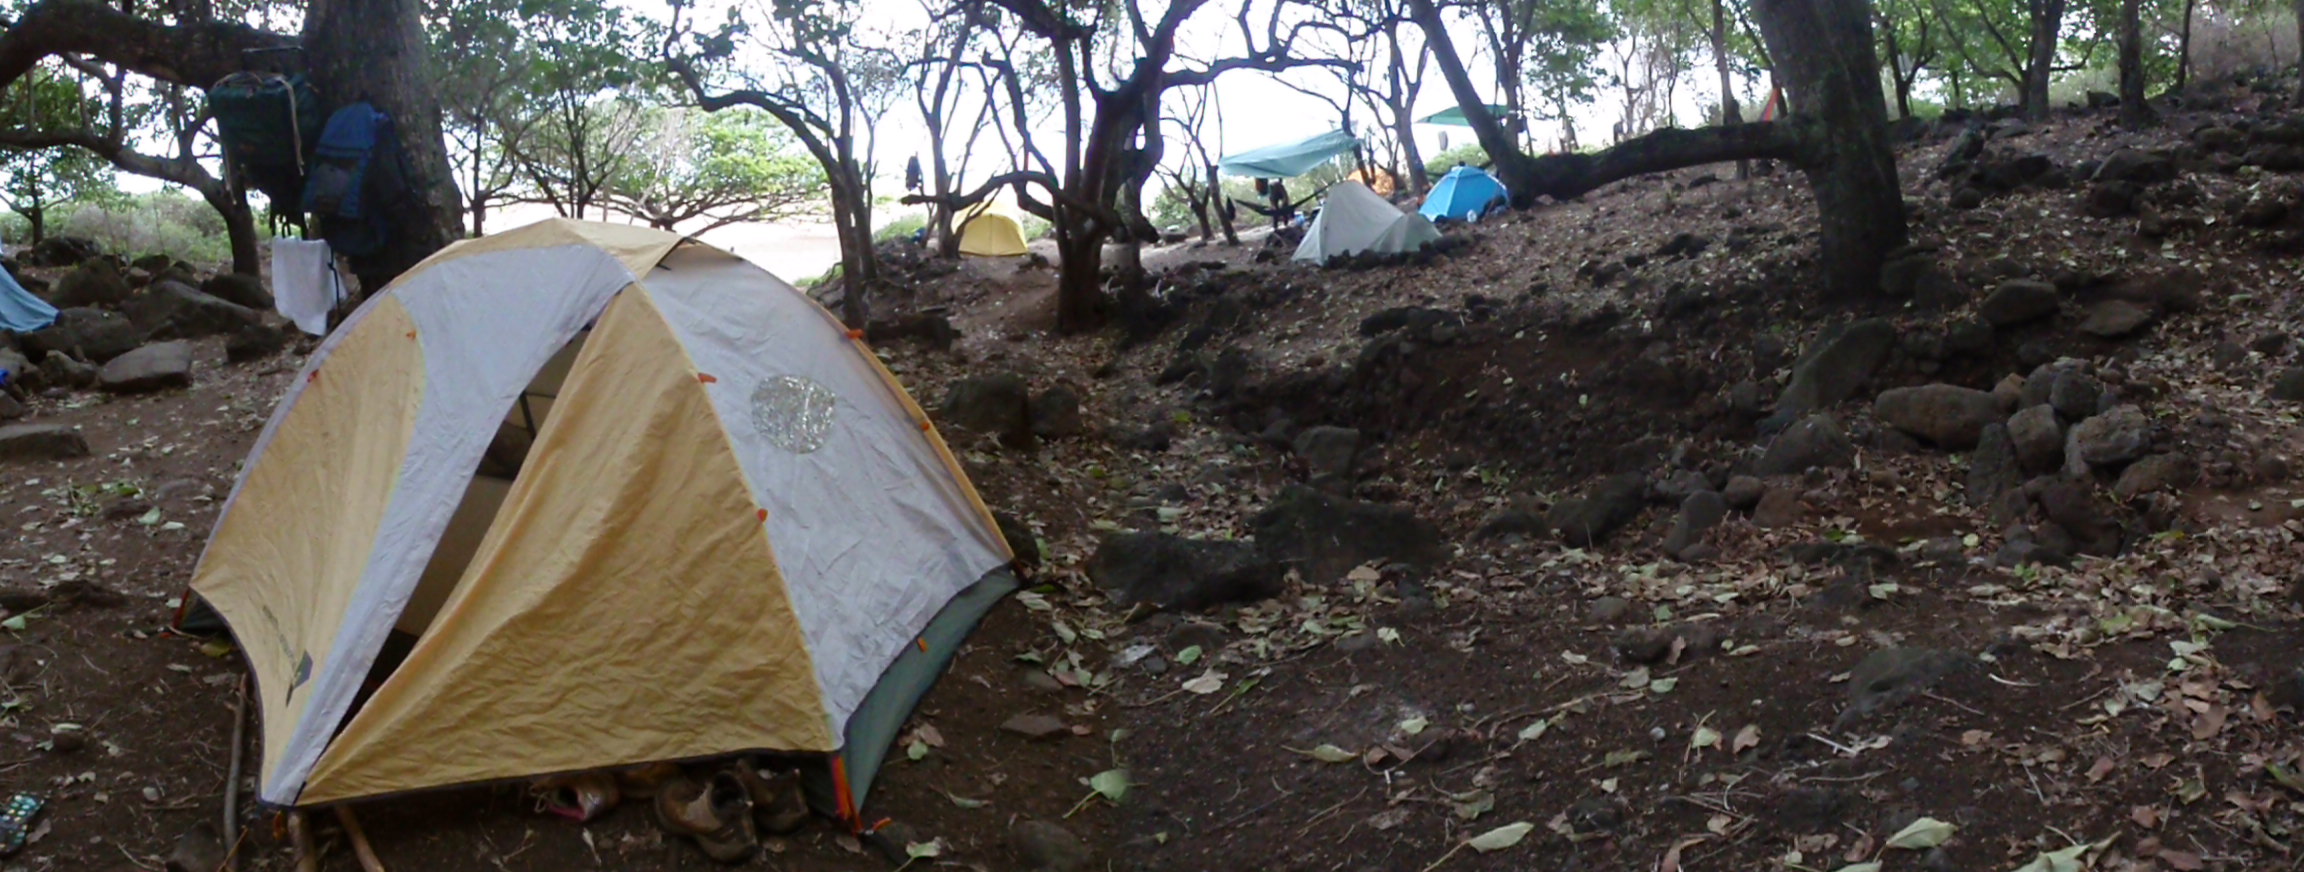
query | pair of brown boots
[727, 813]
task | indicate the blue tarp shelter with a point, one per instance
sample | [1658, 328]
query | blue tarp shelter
[1466, 191]
[1291, 160]
[19, 310]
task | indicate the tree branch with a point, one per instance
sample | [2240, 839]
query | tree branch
[181, 171]
[189, 54]
[1561, 176]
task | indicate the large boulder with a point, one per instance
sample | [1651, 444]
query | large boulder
[1816, 441]
[1993, 470]
[1591, 519]
[56, 251]
[2019, 301]
[2038, 438]
[2109, 439]
[1328, 451]
[1842, 359]
[41, 442]
[93, 283]
[16, 369]
[1948, 416]
[2134, 166]
[255, 342]
[90, 334]
[1700, 512]
[65, 371]
[998, 404]
[2074, 507]
[154, 367]
[1056, 413]
[1179, 573]
[2288, 386]
[174, 310]
[239, 289]
[2113, 319]
[1325, 536]
[2157, 472]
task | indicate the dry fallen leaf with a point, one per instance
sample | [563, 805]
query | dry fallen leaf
[2102, 767]
[1746, 739]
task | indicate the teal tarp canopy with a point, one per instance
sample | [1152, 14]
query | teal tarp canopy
[1464, 193]
[1291, 160]
[1453, 116]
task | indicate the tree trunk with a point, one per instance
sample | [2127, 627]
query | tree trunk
[2134, 112]
[375, 50]
[1079, 291]
[1730, 113]
[2047, 23]
[479, 216]
[1223, 209]
[1823, 49]
[859, 270]
[2184, 47]
[38, 217]
[239, 227]
[2299, 45]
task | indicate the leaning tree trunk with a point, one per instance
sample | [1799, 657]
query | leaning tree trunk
[1823, 49]
[1223, 207]
[375, 50]
[38, 216]
[2134, 112]
[859, 269]
[239, 227]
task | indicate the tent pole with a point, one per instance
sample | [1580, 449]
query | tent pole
[232, 777]
[300, 838]
[360, 847]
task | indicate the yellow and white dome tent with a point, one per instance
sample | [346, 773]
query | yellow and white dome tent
[733, 530]
[991, 229]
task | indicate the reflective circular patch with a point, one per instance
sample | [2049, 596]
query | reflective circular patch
[793, 412]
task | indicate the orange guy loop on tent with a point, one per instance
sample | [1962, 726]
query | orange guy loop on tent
[922, 642]
[706, 378]
[763, 516]
[855, 334]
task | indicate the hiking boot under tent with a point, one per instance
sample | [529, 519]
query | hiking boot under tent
[614, 497]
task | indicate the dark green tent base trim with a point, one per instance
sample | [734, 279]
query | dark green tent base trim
[872, 729]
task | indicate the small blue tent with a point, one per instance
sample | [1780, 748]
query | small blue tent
[1465, 192]
[19, 310]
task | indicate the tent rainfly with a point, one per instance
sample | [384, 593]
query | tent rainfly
[1290, 160]
[990, 231]
[613, 496]
[20, 311]
[1464, 194]
[1354, 219]
[1453, 116]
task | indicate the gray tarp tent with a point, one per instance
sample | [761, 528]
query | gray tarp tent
[1291, 160]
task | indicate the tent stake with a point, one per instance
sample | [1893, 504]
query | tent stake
[360, 846]
[232, 778]
[300, 836]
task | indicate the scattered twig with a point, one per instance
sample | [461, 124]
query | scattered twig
[1331, 810]
[1952, 702]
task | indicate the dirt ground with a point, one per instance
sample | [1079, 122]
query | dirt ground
[1863, 683]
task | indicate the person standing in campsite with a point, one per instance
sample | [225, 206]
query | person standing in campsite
[1283, 210]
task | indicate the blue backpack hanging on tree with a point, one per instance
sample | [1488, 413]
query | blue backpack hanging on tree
[355, 178]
